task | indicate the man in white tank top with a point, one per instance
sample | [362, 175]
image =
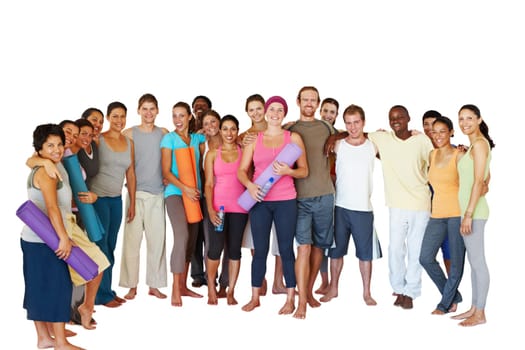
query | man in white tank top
[353, 216]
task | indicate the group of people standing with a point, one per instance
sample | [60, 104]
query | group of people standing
[434, 191]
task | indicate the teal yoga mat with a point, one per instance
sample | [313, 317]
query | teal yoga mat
[89, 216]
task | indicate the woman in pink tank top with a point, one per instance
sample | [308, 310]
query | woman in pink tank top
[221, 189]
[211, 126]
[279, 204]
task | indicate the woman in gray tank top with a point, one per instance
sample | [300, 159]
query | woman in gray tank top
[116, 154]
[48, 287]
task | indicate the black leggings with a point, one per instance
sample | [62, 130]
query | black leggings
[231, 235]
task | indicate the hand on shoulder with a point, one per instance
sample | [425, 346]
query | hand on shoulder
[462, 148]
[289, 124]
[248, 138]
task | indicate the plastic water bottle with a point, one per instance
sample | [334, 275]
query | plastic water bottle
[266, 187]
[220, 226]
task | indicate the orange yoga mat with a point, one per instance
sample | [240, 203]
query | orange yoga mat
[185, 158]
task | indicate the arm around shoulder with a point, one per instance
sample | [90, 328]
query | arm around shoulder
[128, 133]
[50, 167]
[331, 140]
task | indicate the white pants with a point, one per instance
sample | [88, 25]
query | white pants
[150, 220]
[407, 228]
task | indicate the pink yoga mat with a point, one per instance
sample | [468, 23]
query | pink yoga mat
[289, 154]
[38, 221]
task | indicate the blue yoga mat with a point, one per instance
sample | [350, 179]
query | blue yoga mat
[89, 216]
[38, 221]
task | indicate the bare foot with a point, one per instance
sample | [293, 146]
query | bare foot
[437, 312]
[264, 288]
[85, 317]
[329, 295]
[453, 308]
[369, 300]
[222, 292]
[312, 301]
[399, 299]
[112, 303]
[131, 294]
[279, 289]
[185, 292]
[463, 315]
[176, 299]
[212, 299]
[69, 333]
[301, 311]
[68, 346]
[157, 293]
[230, 299]
[323, 289]
[251, 305]
[212, 295]
[473, 320]
[45, 343]
[119, 299]
[287, 308]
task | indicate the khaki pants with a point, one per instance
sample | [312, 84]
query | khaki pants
[149, 222]
[81, 240]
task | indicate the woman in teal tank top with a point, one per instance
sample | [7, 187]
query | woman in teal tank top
[473, 170]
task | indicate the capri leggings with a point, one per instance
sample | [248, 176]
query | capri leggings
[184, 234]
[231, 236]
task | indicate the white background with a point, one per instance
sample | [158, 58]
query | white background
[60, 57]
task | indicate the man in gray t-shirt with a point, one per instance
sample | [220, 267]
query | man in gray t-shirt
[315, 199]
[150, 215]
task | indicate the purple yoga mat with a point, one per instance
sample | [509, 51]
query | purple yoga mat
[289, 154]
[38, 221]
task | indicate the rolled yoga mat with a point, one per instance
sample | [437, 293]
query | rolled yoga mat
[89, 216]
[289, 154]
[38, 221]
[185, 158]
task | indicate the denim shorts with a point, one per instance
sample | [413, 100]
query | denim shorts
[315, 221]
[360, 225]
